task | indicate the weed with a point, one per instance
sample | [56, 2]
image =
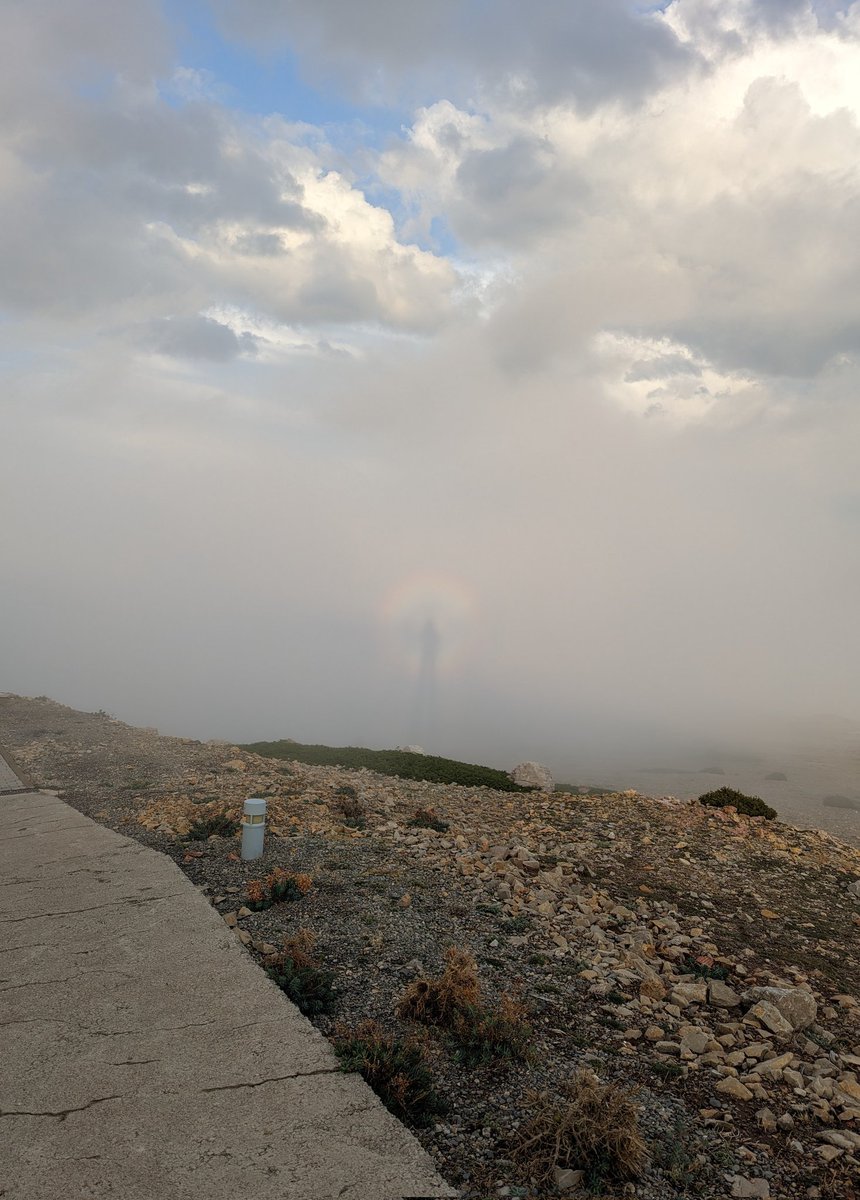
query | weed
[614, 997]
[278, 886]
[667, 1070]
[298, 974]
[703, 966]
[351, 808]
[440, 1001]
[591, 1126]
[453, 1002]
[538, 960]
[425, 818]
[479, 1035]
[516, 925]
[206, 827]
[395, 1069]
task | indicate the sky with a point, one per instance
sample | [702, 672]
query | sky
[483, 375]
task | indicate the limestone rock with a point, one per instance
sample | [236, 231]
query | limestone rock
[734, 1088]
[533, 775]
[771, 1018]
[796, 1005]
[750, 1189]
[720, 995]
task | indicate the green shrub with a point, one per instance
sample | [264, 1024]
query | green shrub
[278, 886]
[402, 763]
[299, 976]
[205, 827]
[395, 1069]
[425, 818]
[750, 806]
[452, 1001]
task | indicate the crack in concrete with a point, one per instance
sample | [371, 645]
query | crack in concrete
[132, 900]
[61, 1113]
[232, 1087]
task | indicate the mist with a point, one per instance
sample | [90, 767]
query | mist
[514, 420]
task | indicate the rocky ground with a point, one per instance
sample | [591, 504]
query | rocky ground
[706, 961]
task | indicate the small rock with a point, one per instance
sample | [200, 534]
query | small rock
[244, 911]
[230, 920]
[734, 1088]
[720, 995]
[766, 1120]
[695, 1040]
[566, 1179]
[756, 1188]
[771, 1017]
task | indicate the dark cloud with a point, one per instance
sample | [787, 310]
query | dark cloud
[588, 52]
[197, 337]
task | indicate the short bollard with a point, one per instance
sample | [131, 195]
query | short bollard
[253, 827]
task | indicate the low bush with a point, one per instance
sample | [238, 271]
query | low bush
[396, 1070]
[480, 1035]
[750, 806]
[425, 818]
[278, 886]
[298, 974]
[453, 1002]
[401, 763]
[348, 803]
[220, 825]
[592, 1127]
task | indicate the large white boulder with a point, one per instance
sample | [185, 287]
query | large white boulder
[533, 775]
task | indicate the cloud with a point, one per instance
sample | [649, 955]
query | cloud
[246, 400]
[383, 50]
[197, 337]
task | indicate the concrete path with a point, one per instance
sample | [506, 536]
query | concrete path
[145, 1056]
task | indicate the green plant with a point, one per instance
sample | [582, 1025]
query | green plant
[590, 1126]
[705, 967]
[396, 1070]
[750, 806]
[453, 1002]
[614, 997]
[298, 974]
[666, 1070]
[220, 825]
[400, 763]
[350, 806]
[278, 886]
[425, 818]
[480, 1035]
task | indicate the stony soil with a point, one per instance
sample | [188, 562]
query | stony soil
[636, 930]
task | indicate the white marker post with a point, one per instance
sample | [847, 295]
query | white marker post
[253, 828]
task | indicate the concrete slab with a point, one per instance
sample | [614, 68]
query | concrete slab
[145, 1054]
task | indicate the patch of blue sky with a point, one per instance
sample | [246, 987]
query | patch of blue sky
[267, 85]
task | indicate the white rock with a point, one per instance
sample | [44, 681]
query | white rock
[743, 1187]
[796, 1005]
[533, 775]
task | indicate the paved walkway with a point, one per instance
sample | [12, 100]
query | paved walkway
[9, 781]
[145, 1056]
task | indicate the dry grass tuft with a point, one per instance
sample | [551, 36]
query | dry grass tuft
[453, 1002]
[592, 1127]
[441, 1001]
